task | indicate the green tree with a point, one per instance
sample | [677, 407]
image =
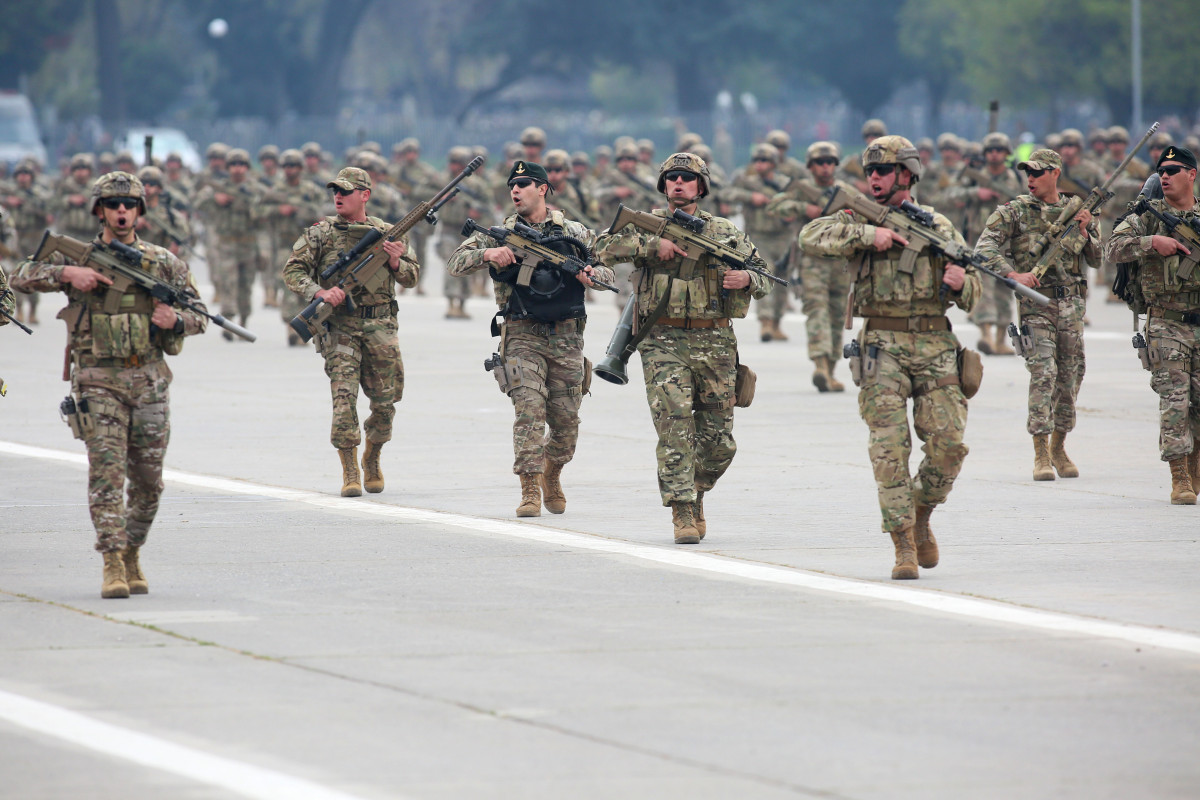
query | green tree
[32, 31]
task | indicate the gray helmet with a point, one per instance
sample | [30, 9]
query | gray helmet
[268, 151]
[779, 139]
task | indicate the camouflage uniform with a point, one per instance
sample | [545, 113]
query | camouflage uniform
[70, 216]
[360, 347]
[306, 201]
[471, 201]
[689, 372]
[163, 223]
[118, 367]
[7, 304]
[1056, 365]
[417, 181]
[234, 240]
[27, 209]
[773, 235]
[906, 330]
[554, 348]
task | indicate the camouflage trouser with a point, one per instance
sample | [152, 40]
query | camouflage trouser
[417, 240]
[237, 266]
[453, 288]
[824, 284]
[994, 306]
[290, 303]
[265, 238]
[132, 427]
[772, 249]
[911, 365]
[1177, 382]
[560, 359]
[690, 378]
[362, 352]
[1057, 365]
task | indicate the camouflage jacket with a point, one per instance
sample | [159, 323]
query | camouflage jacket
[74, 220]
[1155, 278]
[319, 247]
[386, 202]
[306, 200]
[794, 206]
[884, 284]
[759, 222]
[237, 219]
[8, 303]
[1011, 230]
[473, 200]
[965, 194]
[1085, 174]
[416, 180]
[698, 295]
[30, 216]
[644, 196]
[469, 258]
[163, 224]
[793, 169]
[94, 334]
[571, 202]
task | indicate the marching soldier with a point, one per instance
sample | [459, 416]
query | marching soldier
[119, 378]
[415, 179]
[1055, 357]
[229, 204]
[471, 201]
[908, 350]
[28, 207]
[542, 333]
[787, 166]
[291, 207]
[689, 359]
[70, 209]
[1166, 288]
[361, 346]
[533, 140]
[753, 189]
[566, 197]
[161, 224]
[872, 129]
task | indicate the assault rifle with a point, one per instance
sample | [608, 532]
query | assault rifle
[1185, 231]
[122, 264]
[1044, 249]
[687, 232]
[530, 248]
[361, 263]
[10, 317]
[916, 225]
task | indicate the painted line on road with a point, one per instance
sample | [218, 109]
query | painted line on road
[974, 608]
[150, 751]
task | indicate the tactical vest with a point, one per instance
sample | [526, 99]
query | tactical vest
[77, 221]
[551, 295]
[1036, 218]
[381, 287]
[1163, 281]
[897, 282]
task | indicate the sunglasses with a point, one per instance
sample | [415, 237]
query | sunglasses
[764, 161]
[522, 183]
[825, 161]
[116, 202]
[626, 158]
[152, 183]
[995, 149]
[556, 169]
[340, 192]
[680, 175]
[880, 169]
[1035, 173]
[245, 164]
[1170, 169]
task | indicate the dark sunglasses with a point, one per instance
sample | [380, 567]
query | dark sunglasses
[245, 164]
[1170, 169]
[522, 183]
[152, 183]
[995, 149]
[880, 169]
[340, 192]
[825, 161]
[1035, 173]
[680, 175]
[626, 158]
[556, 169]
[764, 160]
[116, 202]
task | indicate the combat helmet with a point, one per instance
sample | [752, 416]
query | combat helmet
[874, 127]
[997, 139]
[216, 150]
[1071, 137]
[533, 136]
[268, 151]
[237, 156]
[764, 150]
[893, 150]
[291, 158]
[689, 162]
[556, 158]
[86, 161]
[117, 184]
[779, 139]
[150, 174]
[949, 141]
[688, 141]
[822, 150]
[458, 155]
[1117, 134]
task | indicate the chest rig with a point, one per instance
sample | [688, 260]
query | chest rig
[543, 292]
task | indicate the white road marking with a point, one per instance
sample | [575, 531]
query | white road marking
[974, 608]
[241, 779]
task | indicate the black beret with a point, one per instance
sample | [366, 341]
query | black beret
[528, 169]
[1178, 154]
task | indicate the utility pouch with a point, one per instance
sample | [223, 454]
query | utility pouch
[970, 371]
[512, 373]
[744, 386]
[78, 417]
[1143, 351]
[853, 354]
[1022, 339]
[586, 386]
[870, 367]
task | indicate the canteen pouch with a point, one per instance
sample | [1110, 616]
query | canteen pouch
[744, 386]
[970, 372]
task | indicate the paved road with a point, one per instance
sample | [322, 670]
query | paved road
[296, 644]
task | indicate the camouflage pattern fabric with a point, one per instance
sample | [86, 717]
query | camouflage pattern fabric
[773, 234]
[306, 201]
[472, 201]
[72, 217]
[8, 304]
[995, 305]
[237, 266]
[233, 245]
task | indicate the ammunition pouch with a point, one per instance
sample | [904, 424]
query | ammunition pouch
[78, 417]
[853, 354]
[514, 372]
[744, 386]
[970, 372]
[1143, 350]
[1022, 339]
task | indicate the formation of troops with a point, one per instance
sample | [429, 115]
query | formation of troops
[284, 217]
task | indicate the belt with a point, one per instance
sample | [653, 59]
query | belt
[1190, 317]
[375, 312]
[87, 360]
[908, 324]
[690, 324]
[1061, 292]
[561, 327]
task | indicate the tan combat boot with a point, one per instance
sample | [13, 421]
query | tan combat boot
[927, 549]
[1059, 458]
[1194, 466]
[1042, 470]
[113, 584]
[1182, 491]
[133, 571]
[906, 556]
[985, 339]
[683, 516]
[766, 329]
[698, 514]
[777, 331]
[531, 495]
[1000, 343]
[552, 491]
[372, 474]
[834, 384]
[350, 480]
[821, 376]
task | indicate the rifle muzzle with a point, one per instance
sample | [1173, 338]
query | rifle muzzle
[234, 328]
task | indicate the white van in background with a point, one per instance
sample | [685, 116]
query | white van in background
[19, 133]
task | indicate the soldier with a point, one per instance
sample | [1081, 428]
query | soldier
[646, 152]
[28, 209]
[979, 191]
[124, 162]
[823, 280]
[566, 197]
[1166, 288]
[1097, 149]
[360, 347]
[908, 351]
[314, 167]
[689, 359]
[119, 378]
[719, 184]
[266, 236]
[386, 201]
[925, 147]
[106, 162]
[291, 207]
[604, 155]
[581, 176]
[753, 189]
[623, 186]
[1080, 176]
[533, 140]
[471, 201]
[1125, 190]
[214, 169]
[161, 224]
[7, 304]
[230, 208]
[70, 207]
[415, 179]
[872, 129]
[1055, 359]
[178, 181]
[787, 166]
[542, 334]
